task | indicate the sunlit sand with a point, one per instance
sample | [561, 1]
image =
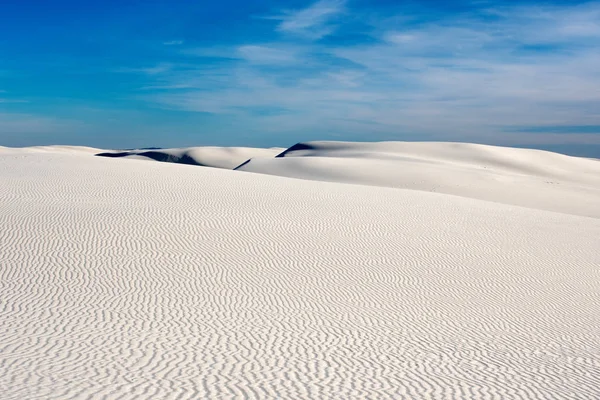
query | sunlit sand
[388, 270]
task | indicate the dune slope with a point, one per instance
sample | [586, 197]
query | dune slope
[129, 280]
[524, 177]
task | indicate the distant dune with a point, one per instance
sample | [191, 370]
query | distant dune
[123, 279]
[216, 157]
[523, 177]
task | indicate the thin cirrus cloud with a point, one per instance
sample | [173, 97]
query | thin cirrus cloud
[477, 76]
[4, 100]
[157, 69]
[312, 22]
[21, 123]
[266, 55]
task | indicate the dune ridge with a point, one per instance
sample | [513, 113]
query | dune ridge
[215, 157]
[523, 177]
[129, 280]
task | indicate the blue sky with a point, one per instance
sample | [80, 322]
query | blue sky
[119, 74]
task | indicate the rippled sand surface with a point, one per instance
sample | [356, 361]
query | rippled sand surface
[122, 279]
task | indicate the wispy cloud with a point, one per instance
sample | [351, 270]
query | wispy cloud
[10, 99]
[5, 100]
[260, 54]
[255, 53]
[21, 123]
[154, 70]
[312, 22]
[173, 43]
[472, 76]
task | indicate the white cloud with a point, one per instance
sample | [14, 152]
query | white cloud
[311, 22]
[10, 100]
[462, 78]
[259, 54]
[158, 69]
[5, 100]
[173, 43]
[18, 123]
[155, 70]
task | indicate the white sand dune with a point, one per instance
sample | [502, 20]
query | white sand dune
[128, 280]
[208, 156]
[524, 177]
[52, 149]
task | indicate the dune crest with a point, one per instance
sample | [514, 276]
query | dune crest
[216, 157]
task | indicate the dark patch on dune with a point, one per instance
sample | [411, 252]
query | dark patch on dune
[162, 157]
[296, 147]
[115, 155]
[156, 156]
[242, 164]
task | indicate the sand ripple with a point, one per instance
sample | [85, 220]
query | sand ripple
[129, 280]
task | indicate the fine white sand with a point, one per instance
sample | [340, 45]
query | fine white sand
[523, 177]
[122, 279]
